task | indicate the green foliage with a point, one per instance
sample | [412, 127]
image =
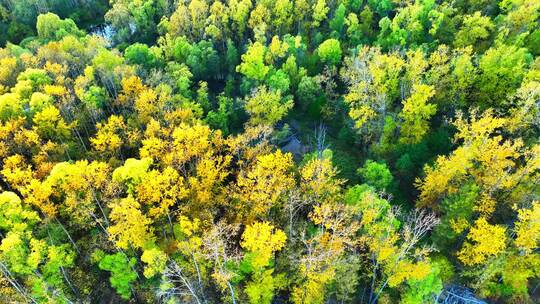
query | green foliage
[267, 107]
[337, 23]
[330, 51]
[223, 117]
[139, 53]
[425, 290]
[458, 211]
[376, 175]
[51, 27]
[203, 60]
[122, 275]
[308, 91]
[502, 69]
[475, 27]
[252, 65]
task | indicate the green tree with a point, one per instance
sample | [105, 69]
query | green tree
[50, 27]
[501, 70]
[475, 28]
[203, 60]
[337, 23]
[121, 269]
[141, 54]
[330, 52]
[252, 64]
[376, 175]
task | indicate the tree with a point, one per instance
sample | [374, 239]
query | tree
[308, 91]
[475, 27]
[267, 106]
[50, 125]
[416, 114]
[376, 175]
[330, 51]
[10, 106]
[252, 64]
[222, 117]
[527, 228]
[155, 260]
[283, 16]
[14, 216]
[264, 184]
[203, 60]
[501, 71]
[337, 23]
[141, 54]
[320, 11]
[484, 241]
[50, 27]
[239, 14]
[108, 139]
[130, 18]
[261, 241]
[373, 79]
[131, 227]
[120, 267]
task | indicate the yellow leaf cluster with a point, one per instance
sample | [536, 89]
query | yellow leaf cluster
[262, 186]
[483, 241]
[528, 228]
[263, 240]
[131, 227]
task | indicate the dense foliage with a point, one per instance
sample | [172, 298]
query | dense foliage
[256, 151]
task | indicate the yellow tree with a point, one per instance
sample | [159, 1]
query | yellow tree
[416, 114]
[325, 253]
[483, 241]
[396, 262]
[160, 190]
[77, 189]
[109, 139]
[485, 158]
[130, 227]
[261, 240]
[262, 186]
[373, 79]
[267, 106]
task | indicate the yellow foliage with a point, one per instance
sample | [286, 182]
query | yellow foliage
[483, 241]
[131, 87]
[263, 240]
[160, 190]
[262, 186]
[416, 114]
[528, 228]
[39, 196]
[406, 270]
[131, 227]
[319, 178]
[205, 186]
[189, 142]
[74, 188]
[277, 49]
[373, 79]
[146, 104]
[108, 137]
[485, 157]
[155, 260]
[17, 172]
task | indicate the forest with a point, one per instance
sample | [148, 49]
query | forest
[270, 151]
